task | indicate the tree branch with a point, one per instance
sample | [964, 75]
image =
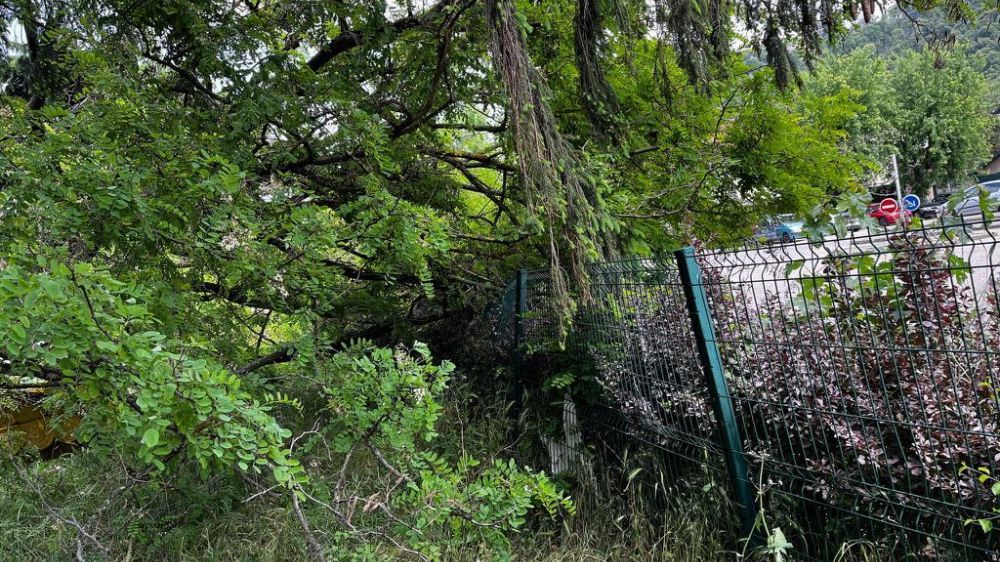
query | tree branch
[283, 355]
[186, 75]
[350, 271]
[487, 160]
[315, 549]
[496, 129]
[477, 185]
[355, 38]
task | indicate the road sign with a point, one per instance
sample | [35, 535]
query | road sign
[911, 202]
[888, 206]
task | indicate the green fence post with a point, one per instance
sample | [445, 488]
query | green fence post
[722, 403]
[520, 308]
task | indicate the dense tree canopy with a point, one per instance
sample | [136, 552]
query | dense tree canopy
[348, 170]
[945, 125]
[204, 200]
[903, 28]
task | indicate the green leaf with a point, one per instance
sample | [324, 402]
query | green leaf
[151, 437]
[793, 265]
[52, 289]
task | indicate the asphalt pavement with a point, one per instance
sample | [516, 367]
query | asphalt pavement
[778, 270]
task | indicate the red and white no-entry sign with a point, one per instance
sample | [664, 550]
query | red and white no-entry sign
[889, 206]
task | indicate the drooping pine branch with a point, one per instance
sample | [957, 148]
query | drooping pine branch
[599, 98]
[555, 188]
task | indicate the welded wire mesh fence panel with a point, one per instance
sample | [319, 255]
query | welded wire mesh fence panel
[542, 320]
[524, 317]
[638, 332]
[643, 392]
[864, 375]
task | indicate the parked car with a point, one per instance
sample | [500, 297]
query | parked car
[935, 208]
[968, 205]
[887, 219]
[850, 222]
[783, 228]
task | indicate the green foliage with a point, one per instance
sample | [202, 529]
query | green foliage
[709, 165]
[181, 218]
[778, 546]
[946, 123]
[983, 476]
[389, 401]
[936, 27]
[932, 106]
[134, 381]
[379, 486]
[386, 393]
[498, 499]
[202, 203]
[863, 78]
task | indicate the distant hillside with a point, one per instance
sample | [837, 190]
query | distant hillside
[897, 32]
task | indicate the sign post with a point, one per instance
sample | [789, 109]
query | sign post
[899, 192]
[895, 177]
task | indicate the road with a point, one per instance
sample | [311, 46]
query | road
[777, 270]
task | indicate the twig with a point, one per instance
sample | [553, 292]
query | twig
[456, 508]
[90, 305]
[261, 493]
[263, 328]
[66, 520]
[315, 549]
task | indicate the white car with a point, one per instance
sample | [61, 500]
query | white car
[968, 205]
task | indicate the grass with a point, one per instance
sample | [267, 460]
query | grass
[634, 508]
[646, 519]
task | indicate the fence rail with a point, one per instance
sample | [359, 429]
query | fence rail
[855, 379]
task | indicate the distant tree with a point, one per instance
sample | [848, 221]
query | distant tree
[906, 29]
[865, 78]
[931, 107]
[944, 118]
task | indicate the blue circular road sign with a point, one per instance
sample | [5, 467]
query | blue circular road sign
[911, 202]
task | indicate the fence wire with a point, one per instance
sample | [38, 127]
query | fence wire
[639, 336]
[862, 371]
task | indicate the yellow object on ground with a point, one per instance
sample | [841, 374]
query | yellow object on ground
[30, 420]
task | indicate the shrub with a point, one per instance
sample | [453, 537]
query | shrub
[641, 340]
[380, 484]
[873, 383]
[870, 385]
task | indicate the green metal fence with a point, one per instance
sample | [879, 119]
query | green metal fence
[849, 385]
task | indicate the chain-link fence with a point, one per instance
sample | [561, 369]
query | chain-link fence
[849, 385]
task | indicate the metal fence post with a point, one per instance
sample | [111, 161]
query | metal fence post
[722, 403]
[520, 308]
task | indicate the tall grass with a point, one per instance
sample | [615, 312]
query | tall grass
[638, 513]
[631, 506]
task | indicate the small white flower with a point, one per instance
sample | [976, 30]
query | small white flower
[230, 241]
[279, 284]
